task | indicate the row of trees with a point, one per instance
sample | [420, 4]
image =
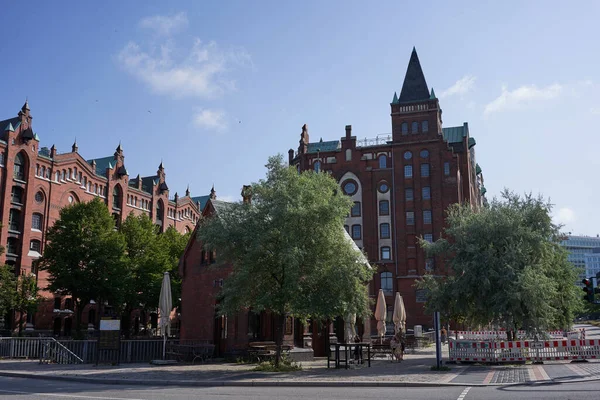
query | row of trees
[88, 259]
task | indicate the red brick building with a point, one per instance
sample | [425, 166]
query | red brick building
[401, 184]
[35, 183]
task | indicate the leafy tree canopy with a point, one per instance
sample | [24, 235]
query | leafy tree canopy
[506, 267]
[288, 249]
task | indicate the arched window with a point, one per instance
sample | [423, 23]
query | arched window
[383, 161]
[384, 207]
[16, 195]
[19, 168]
[317, 166]
[415, 127]
[117, 197]
[405, 128]
[159, 211]
[387, 283]
[425, 126]
[386, 253]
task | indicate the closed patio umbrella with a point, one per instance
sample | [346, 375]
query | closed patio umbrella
[350, 332]
[399, 316]
[381, 314]
[165, 305]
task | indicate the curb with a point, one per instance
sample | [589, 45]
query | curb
[188, 383]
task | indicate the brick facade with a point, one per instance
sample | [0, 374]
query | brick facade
[402, 184]
[35, 183]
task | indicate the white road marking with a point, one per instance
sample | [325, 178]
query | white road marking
[464, 393]
[66, 395]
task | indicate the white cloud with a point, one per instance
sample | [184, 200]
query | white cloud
[522, 96]
[200, 72]
[565, 216]
[210, 119]
[165, 25]
[461, 87]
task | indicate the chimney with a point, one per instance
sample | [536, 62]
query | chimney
[247, 194]
[53, 151]
[290, 156]
[348, 131]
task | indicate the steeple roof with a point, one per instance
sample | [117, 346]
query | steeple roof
[414, 87]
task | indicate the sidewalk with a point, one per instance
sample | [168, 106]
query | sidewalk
[413, 371]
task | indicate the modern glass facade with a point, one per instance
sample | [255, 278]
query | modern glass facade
[579, 247]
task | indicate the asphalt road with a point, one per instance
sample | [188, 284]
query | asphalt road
[19, 388]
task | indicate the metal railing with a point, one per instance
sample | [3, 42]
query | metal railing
[48, 349]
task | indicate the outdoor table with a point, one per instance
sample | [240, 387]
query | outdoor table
[348, 349]
[195, 350]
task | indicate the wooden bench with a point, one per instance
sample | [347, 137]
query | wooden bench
[263, 351]
[190, 352]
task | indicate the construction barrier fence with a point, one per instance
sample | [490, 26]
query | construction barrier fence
[501, 335]
[524, 350]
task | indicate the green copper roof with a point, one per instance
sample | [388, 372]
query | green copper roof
[202, 200]
[13, 122]
[395, 100]
[321, 146]
[472, 142]
[9, 127]
[36, 137]
[432, 97]
[483, 190]
[102, 164]
[477, 169]
[454, 134]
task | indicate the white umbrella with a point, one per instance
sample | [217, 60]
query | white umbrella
[380, 313]
[165, 305]
[399, 316]
[350, 332]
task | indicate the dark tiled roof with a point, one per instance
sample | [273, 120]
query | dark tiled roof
[102, 164]
[414, 87]
[16, 122]
[202, 200]
[148, 183]
[331, 145]
[28, 134]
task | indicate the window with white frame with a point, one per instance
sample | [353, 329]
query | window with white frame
[386, 253]
[384, 231]
[408, 171]
[387, 283]
[428, 237]
[356, 232]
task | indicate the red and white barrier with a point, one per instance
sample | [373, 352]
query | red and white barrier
[524, 350]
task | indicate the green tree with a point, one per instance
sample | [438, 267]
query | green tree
[506, 267]
[288, 250]
[8, 289]
[26, 297]
[173, 245]
[84, 257]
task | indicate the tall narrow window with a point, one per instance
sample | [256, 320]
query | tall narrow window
[317, 166]
[424, 170]
[405, 128]
[16, 195]
[446, 168]
[425, 126]
[12, 246]
[383, 161]
[384, 231]
[356, 232]
[355, 211]
[116, 197]
[408, 172]
[19, 168]
[410, 218]
[429, 264]
[387, 284]
[159, 211]
[426, 192]
[14, 220]
[384, 207]
[427, 217]
[386, 253]
[415, 127]
[428, 237]
[36, 221]
[409, 194]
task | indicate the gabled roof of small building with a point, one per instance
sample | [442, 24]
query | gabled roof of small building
[202, 200]
[220, 205]
[332, 145]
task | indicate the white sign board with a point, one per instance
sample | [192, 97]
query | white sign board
[110, 324]
[418, 330]
[536, 345]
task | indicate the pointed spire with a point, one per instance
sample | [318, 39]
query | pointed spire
[119, 148]
[161, 167]
[414, 87]
[25, 106]
[187, 191]
[213, 193]
[432, 97]
[395, 100]
[74, 148]
[9, 128]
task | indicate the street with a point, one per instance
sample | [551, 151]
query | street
[19, 388]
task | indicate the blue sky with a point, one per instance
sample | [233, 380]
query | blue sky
[214, 88]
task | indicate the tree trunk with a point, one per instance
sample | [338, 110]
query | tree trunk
[279, 330]
[78, 314]
[20, 323]
[126, 322]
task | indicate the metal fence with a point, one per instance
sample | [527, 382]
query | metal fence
[132, 351]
